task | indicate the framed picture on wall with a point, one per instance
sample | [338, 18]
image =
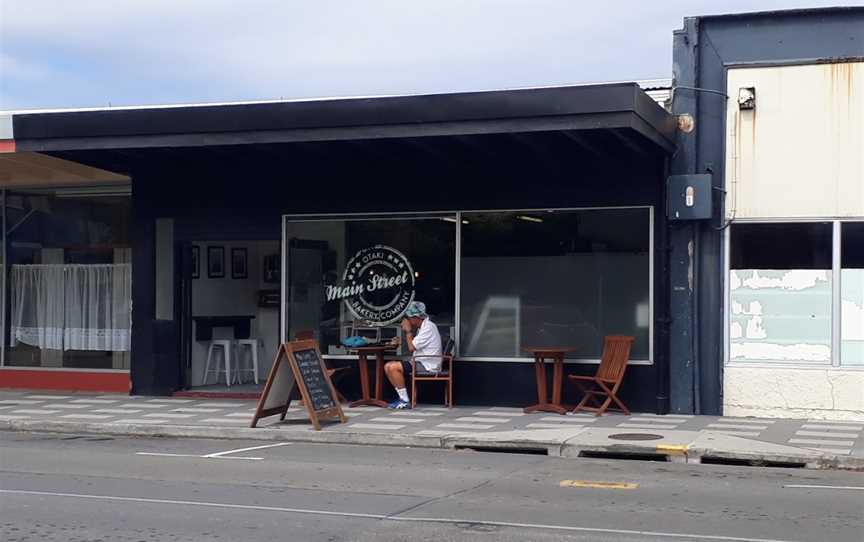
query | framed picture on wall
[215, 262]
[196, 261]
[239, 263]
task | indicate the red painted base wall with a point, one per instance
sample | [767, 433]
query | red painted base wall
[64, 380]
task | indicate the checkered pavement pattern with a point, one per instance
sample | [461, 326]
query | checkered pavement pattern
[836, 437]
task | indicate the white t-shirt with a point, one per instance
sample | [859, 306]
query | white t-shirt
[427, 342]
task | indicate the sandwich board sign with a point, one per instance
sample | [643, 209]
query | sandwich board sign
[299, 365]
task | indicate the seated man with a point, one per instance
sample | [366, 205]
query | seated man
[423, 339]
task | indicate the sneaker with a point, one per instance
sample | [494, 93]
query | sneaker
[399, 404]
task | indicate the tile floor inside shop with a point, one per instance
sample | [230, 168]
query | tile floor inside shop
[829, 436]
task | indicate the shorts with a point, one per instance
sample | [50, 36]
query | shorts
[406, 368]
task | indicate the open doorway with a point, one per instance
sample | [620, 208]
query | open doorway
[232, 309]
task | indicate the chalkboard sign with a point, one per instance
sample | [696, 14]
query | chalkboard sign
[299, 365]
[315, 378]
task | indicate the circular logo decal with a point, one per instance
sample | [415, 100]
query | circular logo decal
[377, 286]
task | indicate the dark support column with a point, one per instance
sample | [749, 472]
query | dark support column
[142, 370]
[682, 362]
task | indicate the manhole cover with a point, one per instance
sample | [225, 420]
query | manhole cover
[635, 436]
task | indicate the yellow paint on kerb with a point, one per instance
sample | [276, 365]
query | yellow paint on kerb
[597, 485]
[672, 448]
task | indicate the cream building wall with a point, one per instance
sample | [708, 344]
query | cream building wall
[798, 155]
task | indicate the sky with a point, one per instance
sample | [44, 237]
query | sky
[97, 53]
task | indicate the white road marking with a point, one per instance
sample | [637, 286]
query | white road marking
[807, 486]
[223, 405]
[238, 450]
[95, 401]
[66, 405]
[7, 417]
[389, 419]
[118, 410]
[464, 426]
[197, 410]
[138, 420]
[87, 416]
[472, 419]
[832, 426]
[566, 419]
[849, 443]
[49, 397]
[736, 433]
[415, 413]
[435, 433]
[684, 416]
[825, 434]
[554, 426]
[404, 519]
[141, 405]
[169, 415]
[171, 401]
[736, 426]
[165, 454]
[20, 402]
[506, 409]
[391, 426]
[34, 411]
[240, 415]
[247, 420]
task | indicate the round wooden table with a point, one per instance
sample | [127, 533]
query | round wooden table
[363, 353]
[541, 354]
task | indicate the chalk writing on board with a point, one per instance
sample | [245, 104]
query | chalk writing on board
[313, 376]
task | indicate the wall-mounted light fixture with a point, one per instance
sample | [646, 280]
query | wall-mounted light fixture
[527, 218]
[746, 98]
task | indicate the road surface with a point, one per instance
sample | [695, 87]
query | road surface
[75, 488]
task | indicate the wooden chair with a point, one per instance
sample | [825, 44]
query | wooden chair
[607, 380]
[339, 372]
[444, 375]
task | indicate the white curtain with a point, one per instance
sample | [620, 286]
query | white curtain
[72, 307]
[38, 294]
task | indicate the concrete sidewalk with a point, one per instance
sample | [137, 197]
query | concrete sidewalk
[692, 439]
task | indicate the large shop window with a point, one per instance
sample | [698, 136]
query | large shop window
[318, 253]
[68, 281]
[852, 293]
[783, 283]
[526, 278]
[555, 278]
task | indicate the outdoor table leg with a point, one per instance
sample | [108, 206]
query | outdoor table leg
[363, 361]
[543, 404]
[379, 373]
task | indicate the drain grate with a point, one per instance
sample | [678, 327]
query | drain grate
[623, 455]
[504, 450]
[635, 436]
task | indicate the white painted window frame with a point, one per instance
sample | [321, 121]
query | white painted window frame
[458, 282]
[836, 278]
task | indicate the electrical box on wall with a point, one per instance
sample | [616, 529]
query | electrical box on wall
[689, 197]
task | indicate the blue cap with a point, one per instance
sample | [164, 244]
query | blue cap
[416, 308]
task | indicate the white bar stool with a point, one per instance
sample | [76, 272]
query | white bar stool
[226, 346]
[254, 345]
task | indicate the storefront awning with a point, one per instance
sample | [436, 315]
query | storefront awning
[32, 170]
[623, 110]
